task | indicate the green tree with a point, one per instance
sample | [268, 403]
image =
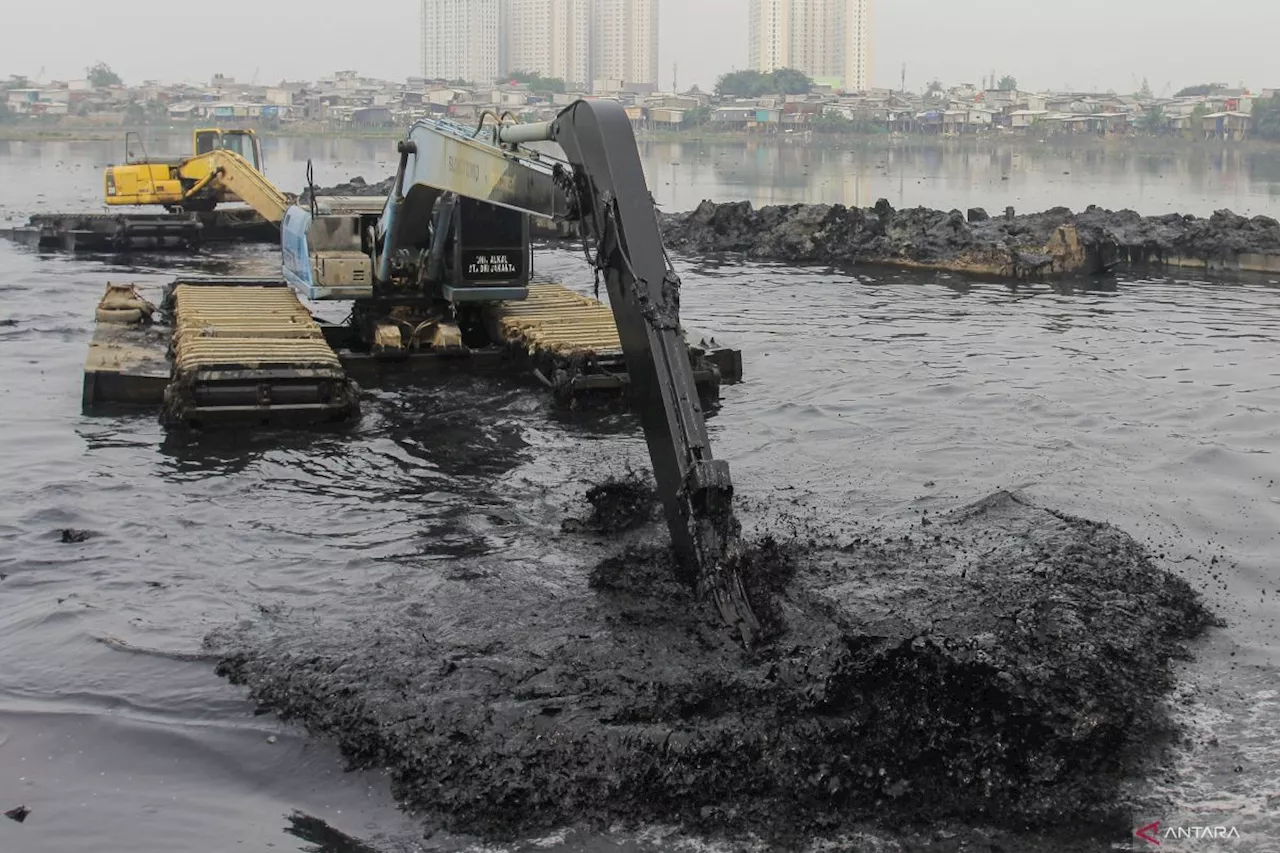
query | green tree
[1197, 117]
[753, 84]
[1266, 118]
[537, 83]
[697, 116]
[788, 81]
[836, 123]
[833, 123]
[1145, 92]
[100, 75]
[1153, 121]
[1008, 83]
[4, 112]
[742, 84]
[934, 91]
[1198, 91]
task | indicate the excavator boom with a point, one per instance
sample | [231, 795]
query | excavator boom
[229, 172]
[602, 186]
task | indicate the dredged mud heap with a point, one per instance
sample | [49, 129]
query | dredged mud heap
[1003, 665]
[1036, 245]
[1055, 242]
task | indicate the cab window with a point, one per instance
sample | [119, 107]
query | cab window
[242, 144]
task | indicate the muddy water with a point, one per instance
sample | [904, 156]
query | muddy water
[1150, 403]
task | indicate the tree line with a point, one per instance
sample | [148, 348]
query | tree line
[758, 84]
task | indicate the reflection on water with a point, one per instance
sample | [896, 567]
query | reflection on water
[937, 174]
[991, 174]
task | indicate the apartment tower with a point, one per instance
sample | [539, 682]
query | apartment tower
[769, 23]
[625, 44]
[549, 37]
[826, 39]
[579, 41]
[460, 40]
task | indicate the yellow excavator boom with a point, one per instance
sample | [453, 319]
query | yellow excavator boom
[227, 171]
[220, 170]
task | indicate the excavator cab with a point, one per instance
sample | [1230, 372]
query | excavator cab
[489, 256]
[242, 142]
[199, 181]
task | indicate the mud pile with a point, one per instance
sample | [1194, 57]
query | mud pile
[1001, 666]
[1056, 241]
[618, 505]
[357, 186]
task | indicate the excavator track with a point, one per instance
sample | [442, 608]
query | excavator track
[554, 319]
[251, 353]
[571, 342]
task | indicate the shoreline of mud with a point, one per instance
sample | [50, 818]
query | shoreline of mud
[1005, 667]
[1052, 243]
[1056, 242]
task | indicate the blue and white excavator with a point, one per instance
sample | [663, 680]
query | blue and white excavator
[451, 242]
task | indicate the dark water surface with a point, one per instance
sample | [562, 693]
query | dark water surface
[1149, 403]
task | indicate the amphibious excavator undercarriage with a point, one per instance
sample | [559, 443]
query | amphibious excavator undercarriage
[443, 270]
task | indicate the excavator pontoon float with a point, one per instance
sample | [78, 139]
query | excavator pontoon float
[440, 276]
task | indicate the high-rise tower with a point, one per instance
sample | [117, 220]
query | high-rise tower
[625, 43]
[549, 37]
[460, 40]
[826, 39]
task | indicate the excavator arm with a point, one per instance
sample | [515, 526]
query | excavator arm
[602, 186]
[227, 171]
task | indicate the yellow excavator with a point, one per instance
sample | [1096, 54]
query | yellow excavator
[226, 166]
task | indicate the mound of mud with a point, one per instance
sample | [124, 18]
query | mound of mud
[1002, 666]
[357, 186]
[1052, 242]
[618, 505]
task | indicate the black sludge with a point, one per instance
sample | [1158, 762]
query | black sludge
[617, 505]
[1002, 666]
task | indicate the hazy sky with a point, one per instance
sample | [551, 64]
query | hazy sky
[1087, 44]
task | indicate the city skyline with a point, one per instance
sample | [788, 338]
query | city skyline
[590, 44]
[460, 39]
[829, 40]
[626, 41]
[548, 37]
[307, 39]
